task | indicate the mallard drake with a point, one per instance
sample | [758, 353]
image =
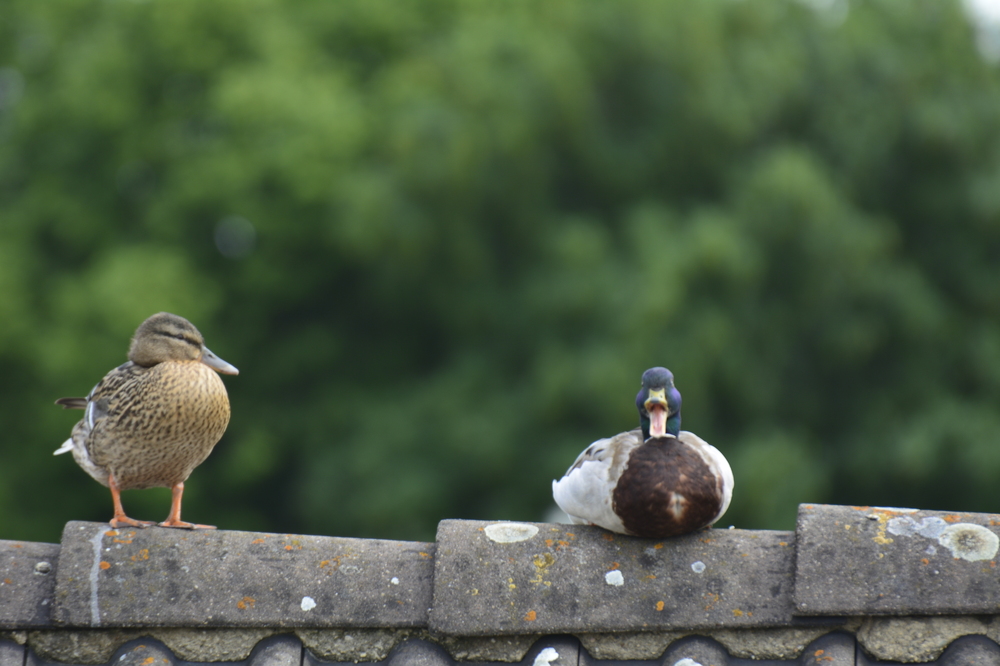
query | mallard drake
[152, 420]
[655, 481]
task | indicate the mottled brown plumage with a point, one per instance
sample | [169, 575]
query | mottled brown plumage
[667, 489]
[152, 420]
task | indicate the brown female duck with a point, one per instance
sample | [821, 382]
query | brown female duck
[152, 420]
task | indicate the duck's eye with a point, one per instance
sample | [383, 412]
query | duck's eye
[178, 336]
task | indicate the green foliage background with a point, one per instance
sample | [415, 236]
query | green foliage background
[457, 232]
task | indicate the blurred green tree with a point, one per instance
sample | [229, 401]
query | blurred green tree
[442, 240]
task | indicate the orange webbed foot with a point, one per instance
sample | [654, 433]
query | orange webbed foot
[125, 521]
[180, 524]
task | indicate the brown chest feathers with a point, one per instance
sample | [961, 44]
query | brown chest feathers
[159, 423]
[667, 489]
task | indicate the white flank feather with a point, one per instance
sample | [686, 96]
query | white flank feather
[585, 492]
[66, 447]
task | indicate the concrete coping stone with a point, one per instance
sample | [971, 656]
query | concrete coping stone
[157, 577]
[511, 578]
[854, 560]
[27, 583]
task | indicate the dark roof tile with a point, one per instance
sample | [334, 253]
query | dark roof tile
[11, 654]
[282, 650]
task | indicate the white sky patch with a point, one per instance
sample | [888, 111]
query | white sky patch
[985, 17]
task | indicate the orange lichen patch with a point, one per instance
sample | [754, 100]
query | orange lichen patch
[609, 537]
[245, 603]
[288, 547]
[141, 555]
[333, 563]
[105, 565]
[953, 518]
[924, 560]
[423, 554]
[18, 545]
[549, 543]
[737, 612]
[257, 541]
[570, 535]
[8, 581]
[530, 616]
[562, 544]
[821, 655]
[122, 540]
[658, 546]
[111, 533]
[651, 577]
[705, 540]
[993, 564]
[659, 605]
[613, 566]
[712, 599]
[542, 562]
[148, 660]
[883, 516]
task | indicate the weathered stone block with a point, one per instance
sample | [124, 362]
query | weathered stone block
[510, 578]
[871, 561]
[27, 580]
[158, 577]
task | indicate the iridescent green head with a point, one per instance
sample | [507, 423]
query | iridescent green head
[659, 404]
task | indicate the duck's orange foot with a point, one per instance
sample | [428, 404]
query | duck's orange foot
[125, 521]
[180, 524]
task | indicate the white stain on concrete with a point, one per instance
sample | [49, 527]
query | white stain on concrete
[930, 527]
[510, 532]
[546, 657]
[394, 580]
[966, 541]
[698, 566]
[614, 578]
[970, 542]
[308, 603]
[96, 542]
[686, 661]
